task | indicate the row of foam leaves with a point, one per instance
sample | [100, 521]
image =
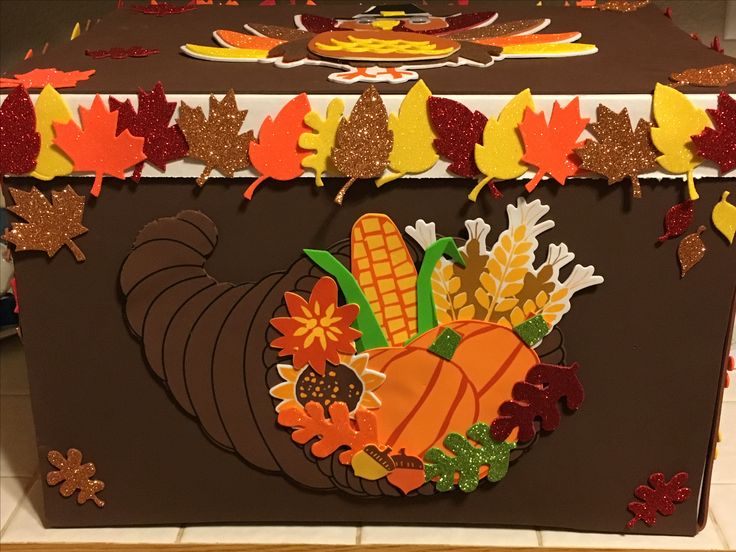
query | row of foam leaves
[369, 143]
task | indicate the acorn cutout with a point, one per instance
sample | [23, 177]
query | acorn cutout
[408, 474]
[372, 463]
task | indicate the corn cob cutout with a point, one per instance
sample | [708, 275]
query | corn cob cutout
[383, 267]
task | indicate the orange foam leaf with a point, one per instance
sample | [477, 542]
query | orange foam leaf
[38, 78]
[95, 147]
[551, 147]
[277, 153]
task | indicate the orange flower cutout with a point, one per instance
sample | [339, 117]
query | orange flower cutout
[316, 332]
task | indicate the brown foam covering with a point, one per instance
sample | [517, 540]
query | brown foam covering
[636, 50]
[650, 347]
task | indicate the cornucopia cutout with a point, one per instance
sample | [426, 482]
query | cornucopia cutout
[368, 367]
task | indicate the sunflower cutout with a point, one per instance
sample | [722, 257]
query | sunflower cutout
[350, 381]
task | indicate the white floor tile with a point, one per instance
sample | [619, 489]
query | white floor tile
[452, 536]
[26, 527]
[707, 539]
[269, 535]
[723, 510]
[724, 467]
[17, 437]
[13, 375]
[12, 491]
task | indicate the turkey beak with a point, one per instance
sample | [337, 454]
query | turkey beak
[385, 24]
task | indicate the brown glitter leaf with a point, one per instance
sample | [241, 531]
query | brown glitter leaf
[691, 251]
[216, 141]
[715, 76]
[49, 225]
[363, 142]
[75, 476]
[521, 27]
[618, 151]
[281, 33]
[624, 6]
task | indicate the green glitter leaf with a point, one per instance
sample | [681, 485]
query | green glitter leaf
[533, 330]
[445, 344]
[468, 459]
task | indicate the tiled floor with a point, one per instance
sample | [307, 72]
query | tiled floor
[20, 497]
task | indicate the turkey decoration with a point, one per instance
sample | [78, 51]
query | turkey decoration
[379, 367]
[387, 43]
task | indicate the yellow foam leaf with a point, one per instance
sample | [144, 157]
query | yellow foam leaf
[549, 50]
[677, 120]
[51, 108]
[724, 217]
[500, 155]
[233, 54]
[322, 140]
[413, 150]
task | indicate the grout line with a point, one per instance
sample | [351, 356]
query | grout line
[179, 535]
[540, 539]
[719, 531]
[29, 485]
[359, 535]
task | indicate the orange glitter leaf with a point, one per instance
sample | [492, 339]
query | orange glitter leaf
[38, 78]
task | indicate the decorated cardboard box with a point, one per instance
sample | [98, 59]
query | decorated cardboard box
[320, 262]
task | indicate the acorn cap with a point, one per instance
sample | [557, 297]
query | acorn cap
[382, 457]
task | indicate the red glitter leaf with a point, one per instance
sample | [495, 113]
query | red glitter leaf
[19, 141]
[122, 53]
[677, 220]
[551, 147]
[38, 78]
[459, 129]
[537, 397]
[96, 147]
[162, 8]
[719, 144]
[660, 496]
[163, 143]
[716, 45]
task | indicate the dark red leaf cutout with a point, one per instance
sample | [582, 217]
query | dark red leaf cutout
[163, 143]
[716, 45]
[538, 397]
[38, 78]
[660, 496]
[459, 129]
[122, 53]
[163, 8]
[678, 218]
[719, 144]
[19, 141]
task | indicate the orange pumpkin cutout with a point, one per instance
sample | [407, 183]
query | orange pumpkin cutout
[425, 396]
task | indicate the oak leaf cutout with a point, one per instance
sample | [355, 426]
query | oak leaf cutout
[551, 146]
[363, 142]
[19, 141]
[216, 140]
[49, 225]
[95, 147]
[163, 143]
[75, 476]
[618, 151]
[719, 144]
[277, 154]
[322, 140]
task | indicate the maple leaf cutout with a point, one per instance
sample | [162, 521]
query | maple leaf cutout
[363, 142]
[75, 476]
[277, 153]
[163, 143]
[458, 130]
[619, 151]
[216, 141]
[719, 144]
[95, 147]
[19, 141]
[48, 226]
[551, 147]
[38, 78]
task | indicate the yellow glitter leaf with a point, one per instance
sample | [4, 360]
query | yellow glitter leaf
[548, 50]
[677, 119]
[322, 140]
[500, 155]
[413, 150]
[51, 108]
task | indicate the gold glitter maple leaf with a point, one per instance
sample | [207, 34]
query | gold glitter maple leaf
[619, 151]
[49, 225]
